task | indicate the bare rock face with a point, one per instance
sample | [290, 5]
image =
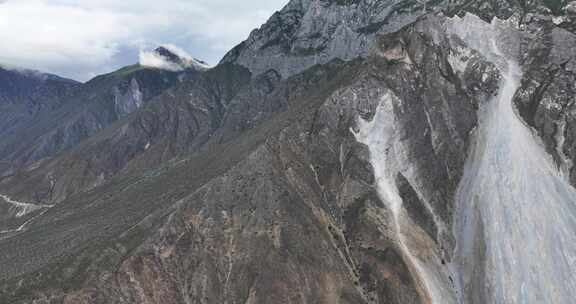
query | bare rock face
[571, 8]
[308, 32]
[546, 97]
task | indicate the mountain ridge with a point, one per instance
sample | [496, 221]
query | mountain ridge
[250, 182]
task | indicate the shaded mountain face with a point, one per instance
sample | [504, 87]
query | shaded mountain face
[33, 90]
[309, 32]
[24, 95]
[347, 152]
[93, 106]
[181, 119]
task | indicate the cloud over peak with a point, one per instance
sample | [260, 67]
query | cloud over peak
[82, 38]
[170, 57]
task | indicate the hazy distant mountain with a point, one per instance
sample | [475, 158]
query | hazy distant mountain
[90, 108]
[25, 94]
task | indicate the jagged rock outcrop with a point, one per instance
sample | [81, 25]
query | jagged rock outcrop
[547, 96]
[309, 32]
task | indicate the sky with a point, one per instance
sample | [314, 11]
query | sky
[80, 39]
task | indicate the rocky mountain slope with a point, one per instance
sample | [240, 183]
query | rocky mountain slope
[25, 94]
[348, 152]
[92, 107]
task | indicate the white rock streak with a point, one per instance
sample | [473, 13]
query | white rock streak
[379, 135]
[516, 214]
[21, 209]
[515, 219]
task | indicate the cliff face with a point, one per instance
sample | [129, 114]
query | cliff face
[309, 32]
[347, 152]
[546, 97]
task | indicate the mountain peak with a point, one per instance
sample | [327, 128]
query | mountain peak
[172, 58]
[168, 55]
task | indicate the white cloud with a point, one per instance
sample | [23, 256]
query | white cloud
[155, 60]
[80, 38]
[152, 59]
